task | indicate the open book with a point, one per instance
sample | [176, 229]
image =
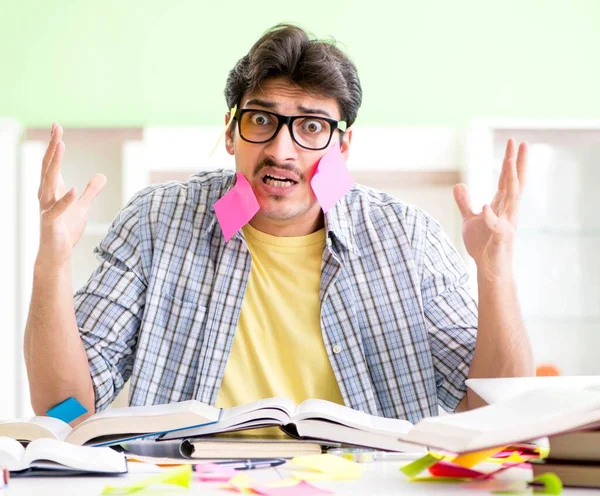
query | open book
[49, 456]
[524, 417]
[114, 425]
[313, 419]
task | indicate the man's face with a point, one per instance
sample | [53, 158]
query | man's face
[291, 198]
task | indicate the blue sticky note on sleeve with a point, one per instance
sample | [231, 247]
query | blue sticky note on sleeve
[67, 410]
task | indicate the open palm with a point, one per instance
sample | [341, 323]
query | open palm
[489, 235]
[63, 216]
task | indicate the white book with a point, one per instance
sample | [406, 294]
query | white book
[312, 419]
[524, 417]
[49, 456]
[115, 424]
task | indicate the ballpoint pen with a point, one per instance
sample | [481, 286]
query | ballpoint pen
[250, 464]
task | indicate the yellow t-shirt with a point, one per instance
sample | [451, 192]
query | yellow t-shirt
[278, 347]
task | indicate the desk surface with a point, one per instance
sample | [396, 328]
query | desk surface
[379, 478]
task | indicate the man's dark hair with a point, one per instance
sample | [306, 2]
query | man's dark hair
[316, 66]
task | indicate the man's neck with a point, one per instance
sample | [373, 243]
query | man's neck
[288, 228]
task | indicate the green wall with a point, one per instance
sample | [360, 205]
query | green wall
[422, 63]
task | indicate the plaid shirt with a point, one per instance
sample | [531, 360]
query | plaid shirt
[399, 325]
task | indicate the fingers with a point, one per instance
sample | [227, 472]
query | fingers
[522, 164]
[52, 178]
[509, 151]
[461, 196]
[92, 190]
[55, 138]
[61, 206]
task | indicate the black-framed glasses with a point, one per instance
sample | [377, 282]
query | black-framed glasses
[308, 131]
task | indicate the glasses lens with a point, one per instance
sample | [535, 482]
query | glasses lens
[258, 126]
[312, 132]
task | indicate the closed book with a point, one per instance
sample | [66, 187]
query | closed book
[578, 445]
[208, 448]
[571, 473]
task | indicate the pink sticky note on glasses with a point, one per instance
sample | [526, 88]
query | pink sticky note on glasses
[332, 179]
[235, 209]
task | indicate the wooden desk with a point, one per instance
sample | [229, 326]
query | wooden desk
[379, 478]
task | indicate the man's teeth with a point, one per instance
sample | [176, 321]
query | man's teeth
[278, 181]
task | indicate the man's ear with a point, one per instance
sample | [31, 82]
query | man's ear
[229, 135]
[345, 146]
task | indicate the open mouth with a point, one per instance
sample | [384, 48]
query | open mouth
[279, 182]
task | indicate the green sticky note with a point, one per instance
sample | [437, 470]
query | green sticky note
[179, 476]
[415, 468]
[552, 483]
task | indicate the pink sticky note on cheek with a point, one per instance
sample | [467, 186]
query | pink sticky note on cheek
[332, 179]
[236, 208]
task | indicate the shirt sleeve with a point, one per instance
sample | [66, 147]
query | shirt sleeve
[109, 307]
[450, 314]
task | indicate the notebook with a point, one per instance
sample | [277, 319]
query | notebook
[52, 457]
[576, 474]
[114, 425]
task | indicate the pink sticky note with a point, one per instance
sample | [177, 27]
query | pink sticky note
[301, 489]
[212, 472]
[332, 179]
[235, 209]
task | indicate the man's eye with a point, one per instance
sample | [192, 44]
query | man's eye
[313, 126]
[260, 119]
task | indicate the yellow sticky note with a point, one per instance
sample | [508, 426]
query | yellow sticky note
[228, 125]
[469, 460]
[327, 467]
[179, 476]
[241, 482]
[514, 457]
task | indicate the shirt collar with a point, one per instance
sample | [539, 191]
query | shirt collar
[338, 225]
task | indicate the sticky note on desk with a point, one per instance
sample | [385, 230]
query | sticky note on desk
[67, 410]
[325, 467]
[180, 476]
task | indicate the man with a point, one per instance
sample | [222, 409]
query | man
[366, 305]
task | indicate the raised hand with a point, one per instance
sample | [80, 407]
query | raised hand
[489, 235]
[63, 216]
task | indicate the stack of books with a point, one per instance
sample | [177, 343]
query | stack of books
[574, 457]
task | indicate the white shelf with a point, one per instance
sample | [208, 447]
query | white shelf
[97, 229]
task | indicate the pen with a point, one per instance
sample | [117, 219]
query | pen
[250, 464]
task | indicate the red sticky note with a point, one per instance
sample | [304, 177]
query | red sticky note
[236, 208]
[331, 180]
[447, 469]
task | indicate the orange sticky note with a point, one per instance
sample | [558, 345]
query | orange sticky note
[469, 460]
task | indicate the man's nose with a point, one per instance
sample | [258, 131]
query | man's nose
[282, 147]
